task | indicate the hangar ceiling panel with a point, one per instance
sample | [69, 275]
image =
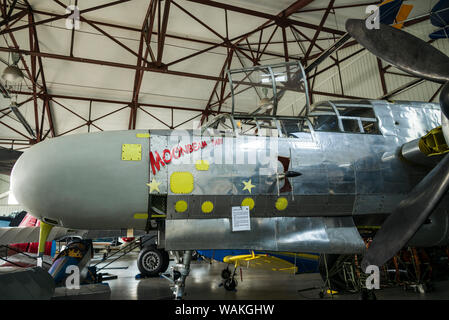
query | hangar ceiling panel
[98, 65]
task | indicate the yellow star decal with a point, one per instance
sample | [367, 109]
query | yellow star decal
[248, 185]
[154, 185]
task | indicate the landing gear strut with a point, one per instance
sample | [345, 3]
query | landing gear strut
[180, 272]
[229, 281]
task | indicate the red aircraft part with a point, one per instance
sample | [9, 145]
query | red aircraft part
[31, 247]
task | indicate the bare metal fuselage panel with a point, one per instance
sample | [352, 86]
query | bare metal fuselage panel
[193, 179]
[343, 175]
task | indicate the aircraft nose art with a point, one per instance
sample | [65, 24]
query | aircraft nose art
[83, 180]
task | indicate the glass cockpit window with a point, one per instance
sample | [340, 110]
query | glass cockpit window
[344, 116]
[265, 127]
[269, 90]
[325, 122]
[304, 126]
[351, 111]
[290, 126]
[371, 127]
[363, 119]
[324, 118]
[351, 125]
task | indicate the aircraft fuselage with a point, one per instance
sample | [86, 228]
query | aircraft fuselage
[194, 178]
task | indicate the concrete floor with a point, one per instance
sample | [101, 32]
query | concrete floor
[204, 279]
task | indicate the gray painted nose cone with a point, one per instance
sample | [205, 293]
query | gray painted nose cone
[402, 50]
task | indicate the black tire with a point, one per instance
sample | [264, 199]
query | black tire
[152, 261]
[225, 274]
[230, 284]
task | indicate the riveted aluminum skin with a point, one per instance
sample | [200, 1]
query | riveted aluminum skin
[341, 175]
[336, 235]
[85, 182]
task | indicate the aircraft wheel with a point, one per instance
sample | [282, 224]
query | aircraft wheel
[230, 284]
[152, 261]
[225, 274]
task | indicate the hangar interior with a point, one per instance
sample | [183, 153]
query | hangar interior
[94, 66]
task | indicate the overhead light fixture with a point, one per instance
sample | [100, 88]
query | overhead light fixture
[12, 74]
[13, 78]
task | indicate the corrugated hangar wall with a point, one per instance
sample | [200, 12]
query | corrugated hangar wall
[360, 77]
[5, 207]
[4, 187]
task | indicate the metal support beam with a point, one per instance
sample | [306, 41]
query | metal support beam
[320, 27]
[162, 34]
[295, 7]
[382, 76]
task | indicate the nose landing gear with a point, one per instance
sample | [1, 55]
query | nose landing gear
[179, 273]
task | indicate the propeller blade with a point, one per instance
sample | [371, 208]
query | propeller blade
[408, 216]
[402, 50]
[418, 58]
[444, 100]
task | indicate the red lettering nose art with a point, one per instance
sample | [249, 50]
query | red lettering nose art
[176, 152]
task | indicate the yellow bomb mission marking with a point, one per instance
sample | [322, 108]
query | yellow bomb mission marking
[181, 206]
[248, 202]
[281, 204]
[207, 207]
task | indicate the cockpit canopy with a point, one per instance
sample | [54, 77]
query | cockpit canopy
[264, 94]
[329, 116]
[269, 89]
[344, 116]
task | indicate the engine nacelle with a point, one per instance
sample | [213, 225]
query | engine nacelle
[429, 149]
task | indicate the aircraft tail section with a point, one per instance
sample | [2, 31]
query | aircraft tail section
[394, 12]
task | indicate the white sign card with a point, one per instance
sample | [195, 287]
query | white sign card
[240, 219]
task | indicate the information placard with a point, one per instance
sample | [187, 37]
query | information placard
[240, 219]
